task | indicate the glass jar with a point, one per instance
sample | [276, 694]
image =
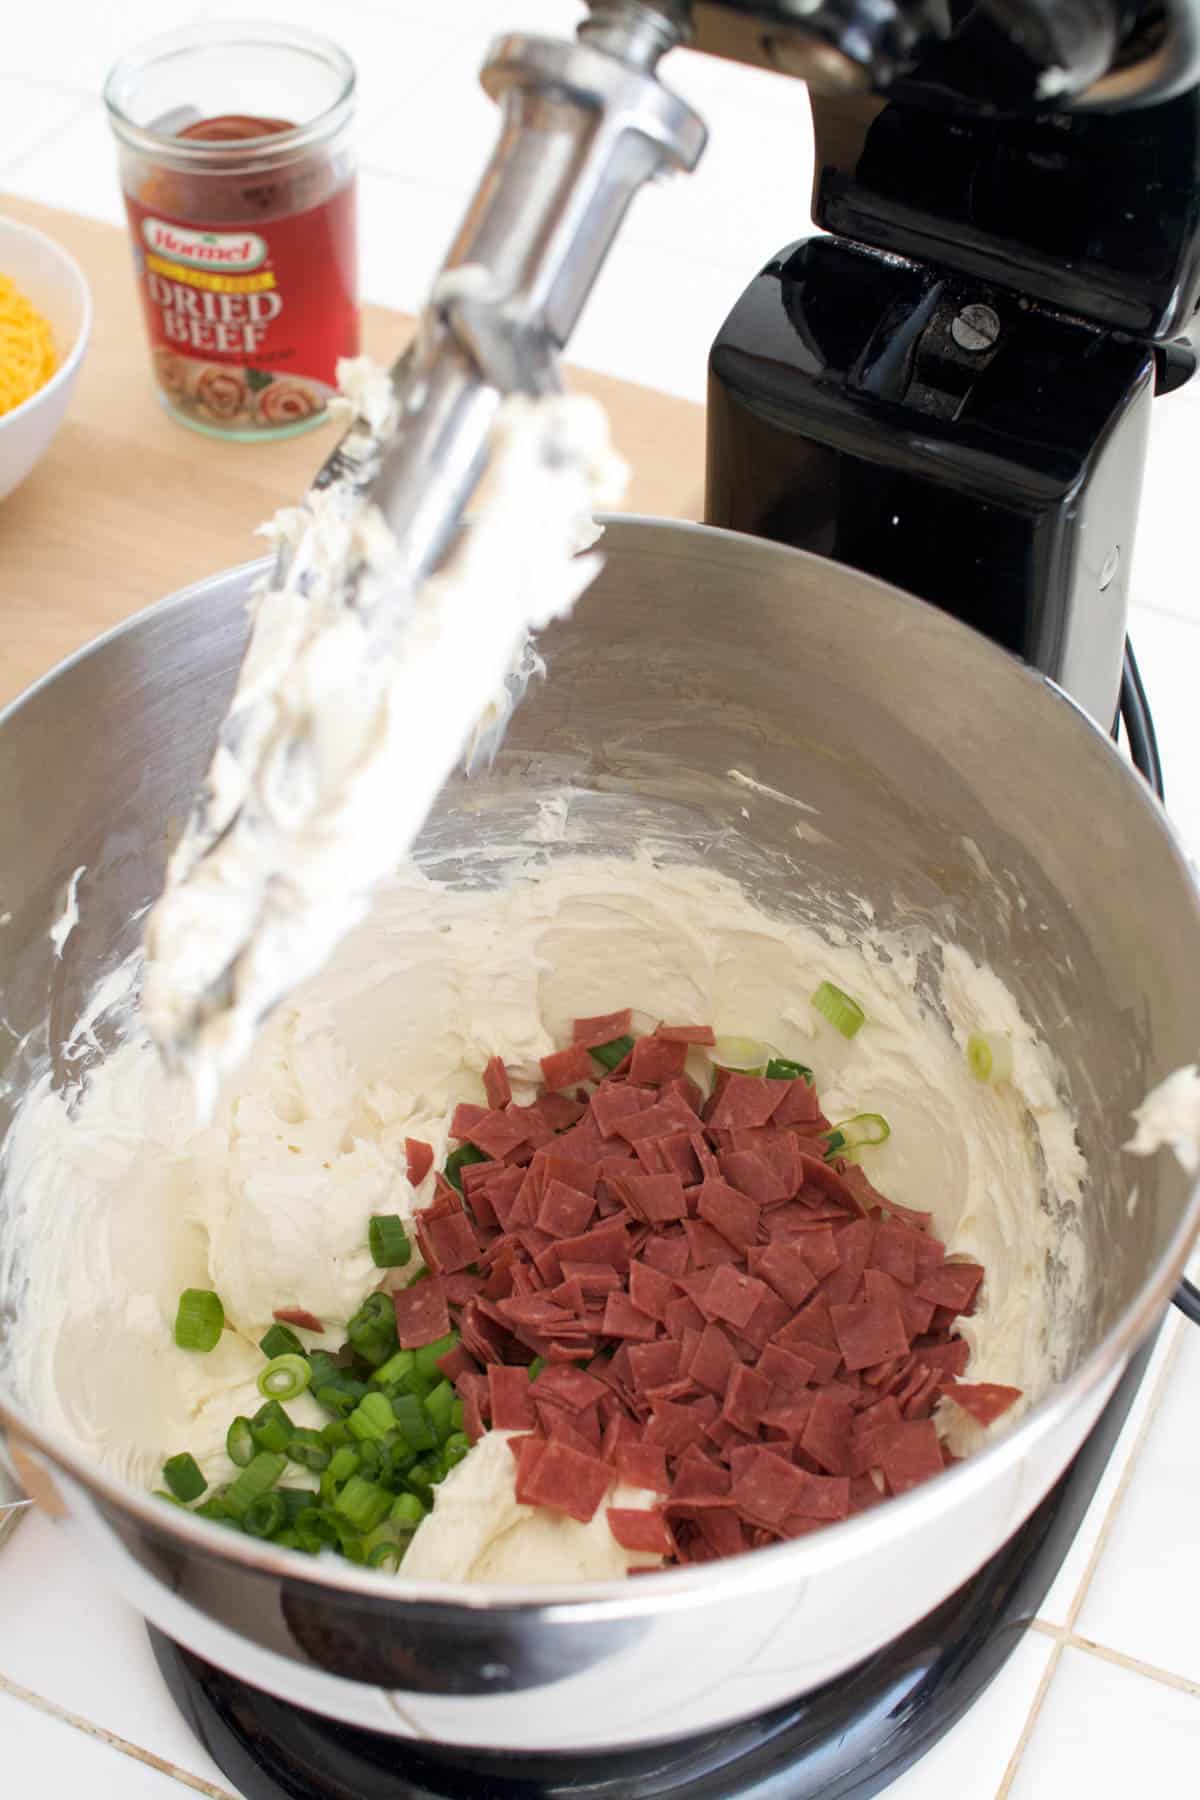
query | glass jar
[239, 185]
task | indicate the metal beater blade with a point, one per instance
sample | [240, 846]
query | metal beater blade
[259, 889]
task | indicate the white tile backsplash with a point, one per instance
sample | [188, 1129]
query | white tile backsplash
[395, 58]
[67, 1636]
[46, 1756]
[33, 114]
[1144, 1599]
[1105, 1731]
[969, 1762]
[653, 318]
[1067, 1592]
[1161, 577]
[74, 43]
[404, 230]
[1167, 647]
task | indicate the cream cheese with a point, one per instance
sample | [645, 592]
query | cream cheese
[478, 1531]
[68, 918]
[1169, 1118]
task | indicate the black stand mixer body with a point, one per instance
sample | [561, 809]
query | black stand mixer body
[951, 390]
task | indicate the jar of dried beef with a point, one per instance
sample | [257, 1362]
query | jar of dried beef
[239, 186]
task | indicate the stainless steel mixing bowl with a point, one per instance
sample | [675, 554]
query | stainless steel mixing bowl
[937, 778]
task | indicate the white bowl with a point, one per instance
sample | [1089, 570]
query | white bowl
[54, 282]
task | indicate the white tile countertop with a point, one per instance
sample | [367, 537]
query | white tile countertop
[1103, 1693]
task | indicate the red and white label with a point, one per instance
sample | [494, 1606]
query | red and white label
[247, 325]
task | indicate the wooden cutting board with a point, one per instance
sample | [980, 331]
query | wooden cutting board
[127, 506]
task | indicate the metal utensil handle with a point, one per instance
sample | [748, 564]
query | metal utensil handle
[584, 126]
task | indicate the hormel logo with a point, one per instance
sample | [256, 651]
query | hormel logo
[233, 250]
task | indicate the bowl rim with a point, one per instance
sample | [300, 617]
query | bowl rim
[68, 367]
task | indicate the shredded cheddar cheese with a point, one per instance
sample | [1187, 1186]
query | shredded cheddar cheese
[26, 347]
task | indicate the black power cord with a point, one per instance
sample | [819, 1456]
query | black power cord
[1143, 749]
[1139, 725]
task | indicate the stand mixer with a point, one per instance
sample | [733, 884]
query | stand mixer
[949, 390]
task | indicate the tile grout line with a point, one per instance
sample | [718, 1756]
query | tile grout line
[1126, 1476]
[1031, 1719]
[1150, 1671]
[89, 1728]
[41, 139]
[1160, 612]
[1071, 1640]
[1062, 1636]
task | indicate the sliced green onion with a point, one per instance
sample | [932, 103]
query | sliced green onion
[343, 1463]
[398, 1459]
[340, 1397]
[413, 1421]
[990, 1056]
[782, 1068]
[388, 1240]
[335, 1434]
[612, 1053]
[265, 1516]
[372, 1330]
[845, 1014]
[455, 1448]
[280, 1340]
[834, 1141]
[316, 1527]
[387, 1557]
[182, 1475]
[376, 1312]
[253, 1483]
[218, 1513]
[371, 1458]
[200, 1320]
[466, 1153]
[422, 1274]
[284, 1377]
[741, 1055]
[863, 1128]
[240, 1442]
[309, 1449]
[162, 1494]
[295, 1500]
[536, 1367]
[291, 1540]
[428, 1356]
[323, 1368]
[363, 1503]
[438, 1406]
[395, 1371]
[271, 1428]
[458, 1413]
[371, 1418]
[422, 1477]
[407, 1512]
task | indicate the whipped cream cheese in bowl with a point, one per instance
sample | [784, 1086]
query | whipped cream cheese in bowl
[748, 771]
